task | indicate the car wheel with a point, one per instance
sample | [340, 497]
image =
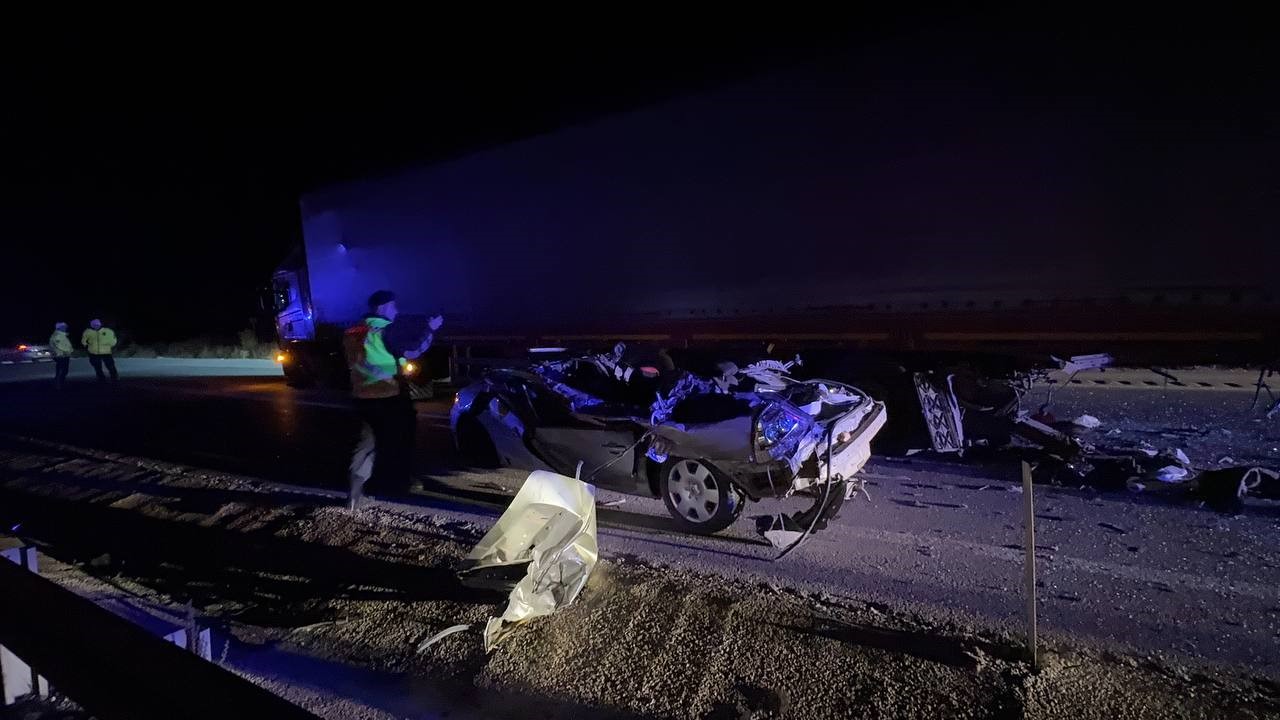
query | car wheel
[700, 499]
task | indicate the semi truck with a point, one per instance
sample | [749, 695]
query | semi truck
[883, 229]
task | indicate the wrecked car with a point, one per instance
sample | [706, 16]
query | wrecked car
[705, 445]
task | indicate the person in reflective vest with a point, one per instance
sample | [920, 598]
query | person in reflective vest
[60, 343]
[99, 341]
[375, 359]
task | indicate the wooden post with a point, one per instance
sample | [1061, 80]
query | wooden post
[1029, 522]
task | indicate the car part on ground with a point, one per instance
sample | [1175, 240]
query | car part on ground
[549, 532]
[941, 412]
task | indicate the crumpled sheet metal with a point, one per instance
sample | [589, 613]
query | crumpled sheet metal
[551, 525]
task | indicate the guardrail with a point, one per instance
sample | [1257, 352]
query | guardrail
[115, 669]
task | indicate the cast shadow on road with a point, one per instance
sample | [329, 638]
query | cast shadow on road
[434, 492]
[932, 647]
[204, 501]
[255, 568]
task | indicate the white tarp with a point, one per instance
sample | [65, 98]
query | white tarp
[551, 525]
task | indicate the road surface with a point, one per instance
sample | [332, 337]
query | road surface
[940, 537]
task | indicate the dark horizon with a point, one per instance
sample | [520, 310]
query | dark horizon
[160, 195]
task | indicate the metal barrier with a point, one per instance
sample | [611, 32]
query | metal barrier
[115, 669]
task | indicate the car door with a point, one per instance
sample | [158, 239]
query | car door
[603, 446]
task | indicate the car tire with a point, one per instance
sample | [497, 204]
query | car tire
[700, 499]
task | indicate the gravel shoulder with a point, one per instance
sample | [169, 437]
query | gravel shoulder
[329, 610]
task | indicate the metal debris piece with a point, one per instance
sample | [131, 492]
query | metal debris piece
[1077, 363]
[1087, 421]
[551, 526]
[941, 412]
[441, 635]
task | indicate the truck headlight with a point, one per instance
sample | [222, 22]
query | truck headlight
[778, 428]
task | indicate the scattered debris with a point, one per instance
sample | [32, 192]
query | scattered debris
[1113, 528]
[550, 526]
[1087, 421]
[1079, 363]
[442, 635]
[1171, 474]
[612, 503]
[1224, 489]
[941, 411]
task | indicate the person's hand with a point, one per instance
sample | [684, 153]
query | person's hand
[435, 322]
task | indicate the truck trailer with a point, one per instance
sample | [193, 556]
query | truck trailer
[882, 229]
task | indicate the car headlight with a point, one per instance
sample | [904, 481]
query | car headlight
[778, 429]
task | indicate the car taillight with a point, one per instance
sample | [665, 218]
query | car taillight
[282, 358]
[22, 347]
[778, 429]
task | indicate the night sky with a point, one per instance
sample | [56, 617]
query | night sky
[154, 182]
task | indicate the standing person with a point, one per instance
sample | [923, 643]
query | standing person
[61, 346]
[99, 341]
[385, 448]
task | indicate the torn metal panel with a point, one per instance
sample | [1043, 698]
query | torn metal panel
[688, 385]
[729, 439]
[941, 413]
[1079, 363]
[771, 375]
[551, 526]
[852, 442]
[507, 433]
[1044, 436]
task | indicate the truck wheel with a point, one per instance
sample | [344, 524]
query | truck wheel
[298, 375]
[700, 499]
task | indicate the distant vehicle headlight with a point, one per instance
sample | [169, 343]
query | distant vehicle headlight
[778, 429]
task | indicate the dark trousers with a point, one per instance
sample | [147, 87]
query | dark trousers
[386, 458]
[98, 361]
[61, 366]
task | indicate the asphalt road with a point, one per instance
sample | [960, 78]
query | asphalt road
[42, 370]
[940, 537]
